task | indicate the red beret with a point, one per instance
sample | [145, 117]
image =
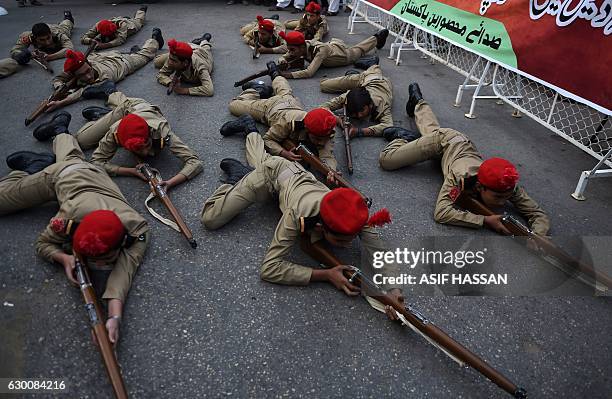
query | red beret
[74, 60]
[313, 8]
[106, 28]
[320, 121]
[133, 132]
[180, 49]
[498, 174]
[293, 38]
[265, 24]
[344, 211]
[98, 233]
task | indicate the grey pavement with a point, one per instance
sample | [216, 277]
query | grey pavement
[200, 323]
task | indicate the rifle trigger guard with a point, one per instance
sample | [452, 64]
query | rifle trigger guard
[356, 273]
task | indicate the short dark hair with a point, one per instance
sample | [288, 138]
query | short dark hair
[356, 99]
[41, 29]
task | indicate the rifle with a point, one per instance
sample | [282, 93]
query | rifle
[315, 163]
[347, 142]
[256, 48]
[176, 77]
[161, 193]
[59, 94]
[414, 319]
[96, 320]
[549, 248]
[283, 67]
[39, 58]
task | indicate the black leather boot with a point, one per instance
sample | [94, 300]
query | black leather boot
[68, 16]
[272, 70]
[99, 91]
[234, 169]
[396, 132]
[58, 125]
[206, 36]
[381, 38]
[244, 124]
[94, 113]
[157, 35]
[30, 162]
[263, 89]
[414, 96]
[367, 61]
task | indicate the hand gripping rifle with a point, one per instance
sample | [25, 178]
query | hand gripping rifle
[347, 142]
[58, 94]
[158, 191]
[560, 258]
[413, 318]
[96, 320]
[40, 59]
[176, 78]
[283, 67]
[317, 164]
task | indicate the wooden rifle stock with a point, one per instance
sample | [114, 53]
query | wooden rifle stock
[414, 317]
[98, 326]
[160, 193]
[315, 163]
[517, 229]
[59, 94]
[347, 143]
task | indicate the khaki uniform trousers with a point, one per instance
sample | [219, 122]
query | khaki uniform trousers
[282, 106]
[20, 190]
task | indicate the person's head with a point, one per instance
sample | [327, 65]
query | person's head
[265, 29]
[320, 123]
[133, 135]
[313, 12]
[107, 29]
[296, 43]
[41, 33]
[76, 64]
[344, 213]
[179, 58]
[99, 235]
[358, 103]
[496, 181]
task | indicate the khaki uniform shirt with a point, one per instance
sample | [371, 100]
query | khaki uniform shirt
[198, 73]
[330, 54]
[161, 135]
[80, 192]
[276, 43]
[125, 28]
[60, 41]
[295, 130]
[381, 92]
[300, 196]
[313, 32]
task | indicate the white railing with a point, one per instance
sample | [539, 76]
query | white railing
[586, 128]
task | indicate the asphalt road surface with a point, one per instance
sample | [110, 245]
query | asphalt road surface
[200, 323]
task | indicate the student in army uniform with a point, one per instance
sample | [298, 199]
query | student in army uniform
[493, 181]
[287, 120]
[308, 206]
[115, 31]
[313, 25]
[96, 72]
[265, 34]
[369, 95]
[192, 61]
[133, 124]
[94, 218]
[49, 41]
[330, 54]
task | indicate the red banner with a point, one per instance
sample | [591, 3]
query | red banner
[565, 44]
